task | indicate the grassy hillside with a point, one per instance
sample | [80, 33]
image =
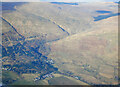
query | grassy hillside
[62, 81]
[90, 55]
[43, 38]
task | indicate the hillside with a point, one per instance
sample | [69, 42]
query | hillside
[60, 43]
[90, 54]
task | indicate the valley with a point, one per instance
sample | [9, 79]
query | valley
[60, 43]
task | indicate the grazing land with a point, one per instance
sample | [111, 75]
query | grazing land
[57, 43]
